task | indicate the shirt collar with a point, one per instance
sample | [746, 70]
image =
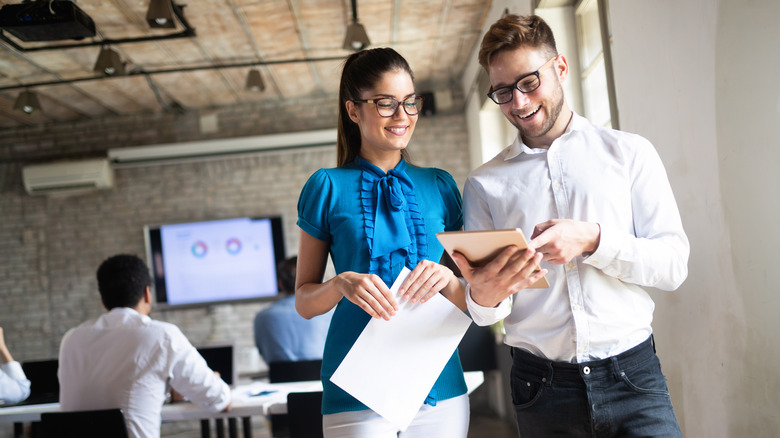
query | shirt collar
[518, 147]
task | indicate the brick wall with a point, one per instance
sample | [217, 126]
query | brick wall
[50, 247]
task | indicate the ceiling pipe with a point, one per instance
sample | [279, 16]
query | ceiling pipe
[141, 72]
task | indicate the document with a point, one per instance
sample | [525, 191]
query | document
[393, 365]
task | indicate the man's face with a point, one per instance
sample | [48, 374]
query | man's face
[535, 114]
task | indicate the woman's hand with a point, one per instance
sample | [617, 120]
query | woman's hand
[425, 280]
[368, 292]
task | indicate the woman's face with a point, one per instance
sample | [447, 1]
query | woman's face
[380, 135]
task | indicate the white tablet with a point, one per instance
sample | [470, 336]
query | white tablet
[480, 247]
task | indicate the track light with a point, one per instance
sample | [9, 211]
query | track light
[27, 102]
[160, 14]
[357, 38]
[254, 82]
[108, 63]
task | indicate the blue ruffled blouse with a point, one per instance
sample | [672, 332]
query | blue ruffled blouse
[377, 222]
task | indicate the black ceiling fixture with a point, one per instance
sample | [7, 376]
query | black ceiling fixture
[45, 20]
[356, 38]
[40, 20]
[27, 102]
[160, 14]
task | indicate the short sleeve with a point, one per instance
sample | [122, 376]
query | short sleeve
[453, 204]
[313, 205]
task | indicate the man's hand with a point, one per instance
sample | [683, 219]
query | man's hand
[510, 271]
[560, 240]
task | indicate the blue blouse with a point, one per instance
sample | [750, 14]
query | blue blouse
[378, 223]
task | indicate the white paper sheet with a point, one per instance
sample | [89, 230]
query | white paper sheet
[393, 365]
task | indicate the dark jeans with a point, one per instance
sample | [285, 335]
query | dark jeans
[621, 396]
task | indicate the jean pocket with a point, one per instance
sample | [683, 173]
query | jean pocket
[646, 379]
[525, 391]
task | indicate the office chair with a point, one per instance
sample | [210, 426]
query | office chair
[84, 424]
[294, 371]
[304, 409]
[477, 349]
[290, 371]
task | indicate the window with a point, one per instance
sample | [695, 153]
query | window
[598, 96]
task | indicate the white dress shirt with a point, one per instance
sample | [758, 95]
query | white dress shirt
[14, 386]
[596, 306]
[127, 360]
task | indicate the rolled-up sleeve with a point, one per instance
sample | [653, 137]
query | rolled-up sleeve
[192, 377]
[14, 386]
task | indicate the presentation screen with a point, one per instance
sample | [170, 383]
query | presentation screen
[218, 261]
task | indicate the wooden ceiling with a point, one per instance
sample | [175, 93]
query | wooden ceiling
[436, 36]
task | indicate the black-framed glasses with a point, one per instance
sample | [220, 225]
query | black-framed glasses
[525, 84]
[387, 106]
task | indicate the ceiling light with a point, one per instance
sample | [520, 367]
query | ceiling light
[160, 14]
[109, 63]
[27, 102]
[357, 38]
[254, 82]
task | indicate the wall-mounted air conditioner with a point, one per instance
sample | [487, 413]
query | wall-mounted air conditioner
[68, 177]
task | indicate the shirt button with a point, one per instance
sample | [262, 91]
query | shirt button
[586, 370]
[570, 265]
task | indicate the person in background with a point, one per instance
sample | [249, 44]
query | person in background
[281, 334]
[14, 386]
[124, 359]
[374, 214]
[603, 223]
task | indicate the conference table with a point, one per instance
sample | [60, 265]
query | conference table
[255, 398]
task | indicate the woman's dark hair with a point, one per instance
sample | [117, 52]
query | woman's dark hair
[122, 281]
[362, 71]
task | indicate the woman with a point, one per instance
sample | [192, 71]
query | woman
[375, 214]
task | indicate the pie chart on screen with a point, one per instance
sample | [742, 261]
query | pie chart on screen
[233, 246]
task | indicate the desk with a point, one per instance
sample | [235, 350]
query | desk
[244, 405]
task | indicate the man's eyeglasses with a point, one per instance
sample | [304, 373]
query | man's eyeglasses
[387, 106]
[525, 84]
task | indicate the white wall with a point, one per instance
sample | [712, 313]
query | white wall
[699, 78]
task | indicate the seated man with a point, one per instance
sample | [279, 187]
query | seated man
[14, 386]
[124, 359]
[281, 334]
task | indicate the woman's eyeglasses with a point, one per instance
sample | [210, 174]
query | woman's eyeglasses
[387, 106]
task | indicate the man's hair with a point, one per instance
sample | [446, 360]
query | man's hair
[285, 274]
[122, 281]
[514, 31]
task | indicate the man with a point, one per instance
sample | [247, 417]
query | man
[283, 335]
[603, 223]
[14, 385]
[124, 359]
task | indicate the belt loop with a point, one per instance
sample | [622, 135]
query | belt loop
[550, 374]
[652, 342]
[617, 372]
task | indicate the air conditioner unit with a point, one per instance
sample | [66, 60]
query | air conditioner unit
[68, 177]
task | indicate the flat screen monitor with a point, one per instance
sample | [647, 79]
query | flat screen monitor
[213, 262]
[222, 359]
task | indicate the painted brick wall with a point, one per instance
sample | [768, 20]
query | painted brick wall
[50, 247]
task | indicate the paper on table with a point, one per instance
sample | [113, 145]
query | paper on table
[393, 365]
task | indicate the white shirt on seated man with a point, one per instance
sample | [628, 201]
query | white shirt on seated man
[124, 359]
